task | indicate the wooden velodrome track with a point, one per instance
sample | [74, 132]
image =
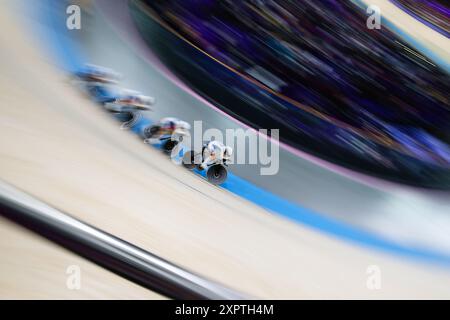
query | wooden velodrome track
[57, 147]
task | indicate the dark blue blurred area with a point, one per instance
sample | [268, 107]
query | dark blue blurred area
[362, 98]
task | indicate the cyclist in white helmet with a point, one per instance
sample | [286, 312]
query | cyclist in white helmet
[215, 152]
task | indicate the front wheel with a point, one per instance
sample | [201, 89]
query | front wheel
[217, 174]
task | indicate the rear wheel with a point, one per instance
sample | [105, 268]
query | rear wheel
[128, 118]
[217, 174]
